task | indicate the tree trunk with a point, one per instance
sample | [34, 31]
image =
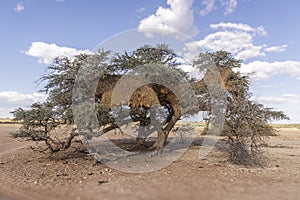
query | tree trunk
[163, 134]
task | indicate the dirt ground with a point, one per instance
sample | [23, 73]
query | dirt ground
[31, 175]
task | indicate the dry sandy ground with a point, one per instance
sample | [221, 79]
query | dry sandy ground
[6, 142]
[31, 175]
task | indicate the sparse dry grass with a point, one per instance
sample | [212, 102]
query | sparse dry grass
[286, 126]
[196, 124]
[7, 121]
[202, 124]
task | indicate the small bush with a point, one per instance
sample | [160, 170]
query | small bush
[247, 127]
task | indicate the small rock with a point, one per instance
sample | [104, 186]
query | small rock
[102, 182]
[277, 165]
[90, 173]
[200, 167]
[62, 174]
[2, 163]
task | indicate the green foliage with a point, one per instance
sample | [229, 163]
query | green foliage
[246, 125]
[161, 54]
[43, 120]
[65, 76]
[38, 123]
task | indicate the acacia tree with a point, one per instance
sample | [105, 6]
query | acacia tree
[38, 123]
[43, 120]
[156, 93]
[61, 77]
[246, 121]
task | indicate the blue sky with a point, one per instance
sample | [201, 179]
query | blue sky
[264, 33]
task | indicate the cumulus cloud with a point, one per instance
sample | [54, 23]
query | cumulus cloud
[178, 17]
[15, 97]
[261, 70]
[239, 27]
[236, 26]
[210, 5]
[19, 7]
[287, 102]
[236, 38]
[10, 100]
[46, 53]
[250, 51]
[276, 49]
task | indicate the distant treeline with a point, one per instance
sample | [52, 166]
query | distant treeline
[8, 121]
[286, 126]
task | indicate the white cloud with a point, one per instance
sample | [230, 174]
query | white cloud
[235, 26]
[291, 96]
[240, 27]
[236, 38]
[10, 100]
[188, 67]
[265, 86]
[250, 51]
[260, 70]
[289, 103]
[178, 17]
[276, 49]
[270, 99]
[15, 97]
[19, 7]
[210, 5]
[261, 31]
[230, 6]
[226, 40]
[47, 52]
[142, 9]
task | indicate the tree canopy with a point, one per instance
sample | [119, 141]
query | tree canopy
[156, 105]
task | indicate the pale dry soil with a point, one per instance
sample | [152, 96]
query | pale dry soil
[31, 175]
